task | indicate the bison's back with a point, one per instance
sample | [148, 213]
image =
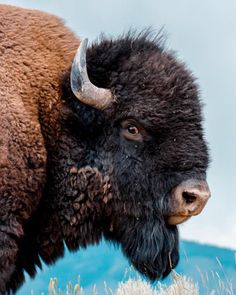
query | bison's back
[35, 49]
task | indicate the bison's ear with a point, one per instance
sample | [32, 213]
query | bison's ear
[81, 86]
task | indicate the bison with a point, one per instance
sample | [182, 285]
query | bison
[108, 143]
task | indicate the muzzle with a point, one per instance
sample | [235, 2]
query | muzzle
[187, 199]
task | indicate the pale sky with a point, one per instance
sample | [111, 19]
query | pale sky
[204, 35]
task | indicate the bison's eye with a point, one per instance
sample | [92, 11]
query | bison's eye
[130, 130]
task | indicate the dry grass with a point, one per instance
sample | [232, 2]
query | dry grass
[223, 285]
[181, 285]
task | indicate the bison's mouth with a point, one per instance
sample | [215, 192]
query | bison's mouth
[177, 219]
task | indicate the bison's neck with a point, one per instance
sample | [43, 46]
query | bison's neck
[50, 94]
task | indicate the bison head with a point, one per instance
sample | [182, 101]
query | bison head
[138, 115]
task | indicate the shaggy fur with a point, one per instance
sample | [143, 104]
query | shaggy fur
[67, 175]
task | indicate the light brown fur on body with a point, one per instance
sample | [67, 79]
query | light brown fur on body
[30, 72]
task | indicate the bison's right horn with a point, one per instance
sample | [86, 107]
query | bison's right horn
[81, 86]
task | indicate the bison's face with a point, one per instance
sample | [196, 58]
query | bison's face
[149, 141]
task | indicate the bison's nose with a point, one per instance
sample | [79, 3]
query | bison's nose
[188, 199]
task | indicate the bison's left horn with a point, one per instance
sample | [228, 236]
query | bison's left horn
[81, 86]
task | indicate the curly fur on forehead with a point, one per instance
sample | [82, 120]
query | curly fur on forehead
[120, 49]
[147, 80]
[140, 64]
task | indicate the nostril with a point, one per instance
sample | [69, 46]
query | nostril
[189, 197]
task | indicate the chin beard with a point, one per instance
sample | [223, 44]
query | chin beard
[151, 246]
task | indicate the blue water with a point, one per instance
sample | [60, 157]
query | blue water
[102, 263]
